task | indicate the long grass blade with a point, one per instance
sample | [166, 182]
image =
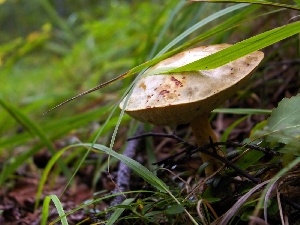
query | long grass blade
[133, 165]
[60, 210]
[45, 210]
[45, 175]
[241, 49]
[259, 2]
[118, 212]
[243, 111]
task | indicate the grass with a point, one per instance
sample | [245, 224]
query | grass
[59, 56]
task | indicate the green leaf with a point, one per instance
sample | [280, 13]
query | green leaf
[249, 159]
[241, 49]
[284, 123]
[59, 209]
[175, 209]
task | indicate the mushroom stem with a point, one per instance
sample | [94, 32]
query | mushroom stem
[202, 132]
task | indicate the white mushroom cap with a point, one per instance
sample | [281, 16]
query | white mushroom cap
[172, 99]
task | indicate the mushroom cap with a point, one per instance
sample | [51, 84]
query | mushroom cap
[173, 99]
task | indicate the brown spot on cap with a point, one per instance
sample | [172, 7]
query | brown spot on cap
[143, 85]
[177, 82]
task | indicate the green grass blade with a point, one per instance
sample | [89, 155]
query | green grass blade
[241, 49]
[226, 133]
[243, 111]
[59, 209]
[167, 24]
[118, 212]
[45, 210]
[45, 175]
[228, 24]
[96, 201]
[259, 2]
[133, 165]
[201, 24]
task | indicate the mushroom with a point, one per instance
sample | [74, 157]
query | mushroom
[189, 97]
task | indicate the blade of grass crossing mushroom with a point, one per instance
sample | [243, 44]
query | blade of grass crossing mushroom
[258, 2]
[241, 49]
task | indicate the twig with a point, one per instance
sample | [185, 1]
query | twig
[214, 144]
